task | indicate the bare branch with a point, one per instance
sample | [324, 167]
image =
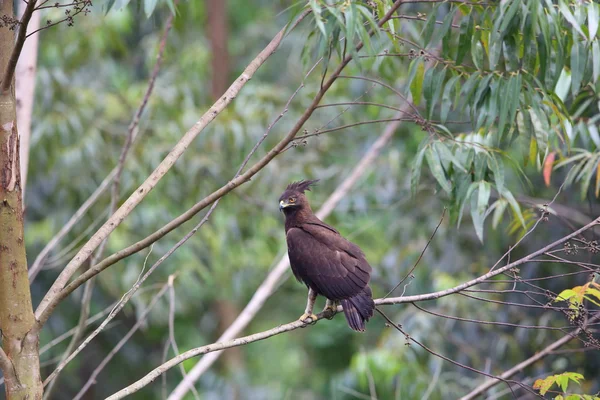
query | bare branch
[115, 350]
[266, 289]
[461, 287]
[420, 256]
[56, 292]
[272, 281]
[54, 295]
[39, 261]
[9, 73]
[481, 389]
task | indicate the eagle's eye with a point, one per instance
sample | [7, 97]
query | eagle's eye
[292, 200]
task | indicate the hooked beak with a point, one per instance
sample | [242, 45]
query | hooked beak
[282, 205]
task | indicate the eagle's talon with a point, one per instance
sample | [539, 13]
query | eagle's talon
[308, 318]
[330, 311]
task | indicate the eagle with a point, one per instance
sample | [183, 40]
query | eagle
[327, 263]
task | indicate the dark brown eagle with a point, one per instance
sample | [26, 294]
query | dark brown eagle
[326, 262]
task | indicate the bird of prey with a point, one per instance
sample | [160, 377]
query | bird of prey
[326, 262]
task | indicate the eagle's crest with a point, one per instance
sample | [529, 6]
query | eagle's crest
[301, 186]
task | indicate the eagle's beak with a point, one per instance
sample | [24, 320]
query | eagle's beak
[282, 205]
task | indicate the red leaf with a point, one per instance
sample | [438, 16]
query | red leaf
[548, 167]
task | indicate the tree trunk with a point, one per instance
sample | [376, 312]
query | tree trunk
[25, 80]
[20, 357]
[217, 35]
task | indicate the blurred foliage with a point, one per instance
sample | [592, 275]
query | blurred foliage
[514, 84]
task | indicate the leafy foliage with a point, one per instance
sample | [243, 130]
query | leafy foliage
[562, 381]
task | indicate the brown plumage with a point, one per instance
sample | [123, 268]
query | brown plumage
[325, 261]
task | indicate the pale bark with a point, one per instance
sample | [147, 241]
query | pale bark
[19, 360]
[25, 85]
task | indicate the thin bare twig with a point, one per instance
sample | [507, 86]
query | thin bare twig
[115, 350]
[150, 377]
[479, 390]
[56, 292]
[420, 256]
[9, 73]
[118, 307]
[172, 340]
[41, 258]
[271, 282]
[436, 354]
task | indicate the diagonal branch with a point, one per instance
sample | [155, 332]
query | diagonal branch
[53, 296]
[141, 320]
[9, 73]
[155, 373]
[481, 389]
[272, 281]
[56, 292]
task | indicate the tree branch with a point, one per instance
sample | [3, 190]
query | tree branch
[54, 295]
[272, 281]
[41, 258]
[56, 292]
[479, 390]
[141, 320]
[9, 73]
[155, 373]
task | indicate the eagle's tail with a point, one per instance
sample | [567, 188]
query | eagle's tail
[359, 309]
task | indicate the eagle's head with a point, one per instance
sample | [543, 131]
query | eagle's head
[293, 197]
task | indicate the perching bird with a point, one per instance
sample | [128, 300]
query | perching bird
[325, 261]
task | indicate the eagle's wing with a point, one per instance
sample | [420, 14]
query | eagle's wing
[326, 262]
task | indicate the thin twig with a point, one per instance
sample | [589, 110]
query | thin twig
[56, 292]
[172, 340]
[479, 390]
[420, 256]
[9, 73]
[436, 354]
[39, 260]
[141, 320]
[150, 377]
[271, 282]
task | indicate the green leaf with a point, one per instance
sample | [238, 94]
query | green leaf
[415, 175]
[468, 89]
[497, 168]
[566, 12]
[149, 6]
[514, 205]
[586, 174]
[498, 212]
[477, 53]
[562, 380]
[437, 82]
[464, 41]
[468, 196]
[436, 169]
[593, 11]
[579, 57]
[447, 156]
[416, 86]
[511, 53]
[316, 9]
[508, 17]
[444, 28]
[595, 61]
[429, 26]
[504, 92]
[514, 92]
[478, 207]
[447, 98]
